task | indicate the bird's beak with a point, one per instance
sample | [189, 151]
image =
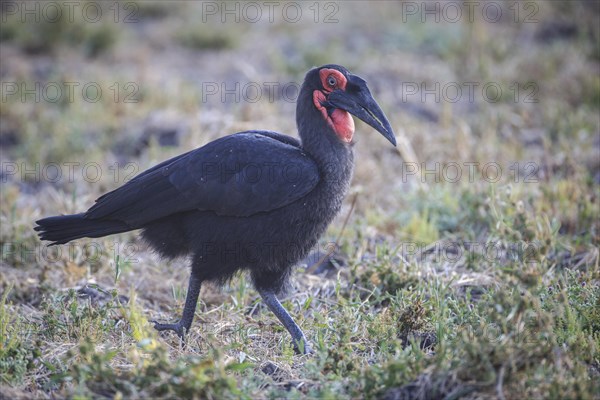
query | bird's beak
[358, 101]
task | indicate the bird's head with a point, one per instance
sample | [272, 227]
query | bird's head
[335, 94]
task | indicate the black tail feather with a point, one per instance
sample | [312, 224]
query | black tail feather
[64, 228]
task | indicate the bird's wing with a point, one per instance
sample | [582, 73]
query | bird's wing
[237, 175]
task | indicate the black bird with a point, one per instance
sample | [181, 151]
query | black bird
[255, 200]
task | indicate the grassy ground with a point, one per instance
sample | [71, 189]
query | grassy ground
[485, 285]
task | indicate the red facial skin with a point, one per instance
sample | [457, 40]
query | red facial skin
[340, 120]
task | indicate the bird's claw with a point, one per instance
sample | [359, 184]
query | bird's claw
[177, 328]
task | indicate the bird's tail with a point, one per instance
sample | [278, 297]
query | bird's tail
[64, 228]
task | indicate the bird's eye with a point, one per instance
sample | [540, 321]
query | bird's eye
[331, 81]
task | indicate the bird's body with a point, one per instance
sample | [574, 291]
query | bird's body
[266, 243]
[255, 201]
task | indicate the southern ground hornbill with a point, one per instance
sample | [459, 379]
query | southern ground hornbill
[255, 200]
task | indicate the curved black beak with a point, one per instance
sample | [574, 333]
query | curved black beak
[358, 101]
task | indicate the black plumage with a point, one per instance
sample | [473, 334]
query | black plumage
[255, 201]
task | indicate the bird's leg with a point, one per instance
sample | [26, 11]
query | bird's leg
[299, 340]
[184, 324]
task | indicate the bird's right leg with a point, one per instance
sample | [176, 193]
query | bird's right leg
[189, 309]
[300, 343]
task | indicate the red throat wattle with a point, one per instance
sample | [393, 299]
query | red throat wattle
[340, 120]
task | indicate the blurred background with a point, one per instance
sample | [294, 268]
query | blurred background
[506, 82]
[496, 106]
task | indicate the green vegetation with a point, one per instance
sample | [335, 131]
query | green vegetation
[46, 29]
[475, 288]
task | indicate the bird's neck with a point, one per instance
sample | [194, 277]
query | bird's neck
[334, 158]
[318, 137]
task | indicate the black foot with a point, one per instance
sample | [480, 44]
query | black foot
[177, 328]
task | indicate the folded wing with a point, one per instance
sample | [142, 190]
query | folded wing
[238, 175]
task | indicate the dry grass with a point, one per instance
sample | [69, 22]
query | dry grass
[437, 289]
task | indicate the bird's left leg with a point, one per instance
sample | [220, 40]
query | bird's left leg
[299, 340]
[184, 324]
